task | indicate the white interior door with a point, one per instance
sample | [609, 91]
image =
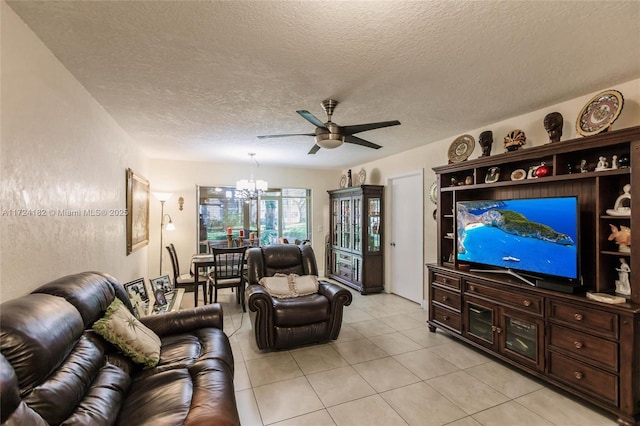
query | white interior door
[407, 236]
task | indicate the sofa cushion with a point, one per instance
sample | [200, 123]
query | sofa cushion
[299, 311]
[120, 327]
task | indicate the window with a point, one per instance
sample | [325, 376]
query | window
[283, 212]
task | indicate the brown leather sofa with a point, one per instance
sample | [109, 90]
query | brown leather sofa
[284, 323]
[54, 369]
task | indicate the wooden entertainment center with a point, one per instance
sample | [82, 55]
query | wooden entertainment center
[588, 348]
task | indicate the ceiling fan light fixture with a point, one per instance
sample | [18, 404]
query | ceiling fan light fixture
[329, 140]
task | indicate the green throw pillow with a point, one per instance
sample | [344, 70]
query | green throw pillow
[134, 339]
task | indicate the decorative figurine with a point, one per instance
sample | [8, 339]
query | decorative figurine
[493, 175]
[583, 166]
[349, 181]
[614, 161]
[623, 161]
[514, 140]
[622, 283]
[486, 140]
[531, 174]
[622, 237]
[622, 206]
[468, 180]
[542, 170]
[454, 181]
[553, 125]
[602, 164]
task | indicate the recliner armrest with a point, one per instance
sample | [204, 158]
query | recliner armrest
[260, 302]
[339, 297]
[185, 320]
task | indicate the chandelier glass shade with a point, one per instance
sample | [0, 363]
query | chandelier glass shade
[250, 188]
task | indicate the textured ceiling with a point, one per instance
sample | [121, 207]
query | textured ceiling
[200, 80]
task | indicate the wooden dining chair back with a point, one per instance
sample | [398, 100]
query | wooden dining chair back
[185, 281]
[227, 272]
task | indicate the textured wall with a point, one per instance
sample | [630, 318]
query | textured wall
[60, 150]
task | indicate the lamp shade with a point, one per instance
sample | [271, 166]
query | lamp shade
[162, 196]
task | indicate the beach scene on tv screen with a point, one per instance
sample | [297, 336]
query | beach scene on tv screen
[531, 235]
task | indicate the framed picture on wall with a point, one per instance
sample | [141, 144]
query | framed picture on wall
[137, 211]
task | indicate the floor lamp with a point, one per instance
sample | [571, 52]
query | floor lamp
[163, 197]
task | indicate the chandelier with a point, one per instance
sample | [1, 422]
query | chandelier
[251, 189]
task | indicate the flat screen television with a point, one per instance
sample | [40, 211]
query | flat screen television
[536, 236]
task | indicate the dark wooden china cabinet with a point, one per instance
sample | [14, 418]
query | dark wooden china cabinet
[586, 347]
[356, 246]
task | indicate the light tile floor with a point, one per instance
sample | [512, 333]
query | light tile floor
[386, 368]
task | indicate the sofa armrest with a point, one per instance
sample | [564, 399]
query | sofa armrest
[339, 297]
[261, 312]
[185, 320]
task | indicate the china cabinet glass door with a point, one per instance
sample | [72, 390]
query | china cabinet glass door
[357, 223]
[373, 230]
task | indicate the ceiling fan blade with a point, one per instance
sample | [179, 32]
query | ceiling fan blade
[357, 128]
[284, 136]
[358, 141]
[310, 118]
[315, 149]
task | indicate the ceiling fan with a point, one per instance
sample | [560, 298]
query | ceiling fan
[329, 135]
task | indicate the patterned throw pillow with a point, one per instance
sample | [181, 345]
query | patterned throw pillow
[283, 286]
[134, 339]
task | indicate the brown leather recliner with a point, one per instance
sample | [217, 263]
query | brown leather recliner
[284, 323]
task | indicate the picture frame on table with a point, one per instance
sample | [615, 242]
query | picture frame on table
[137, 287]
[138, 295]
[137, 211]
[160, 298]
[162, 283]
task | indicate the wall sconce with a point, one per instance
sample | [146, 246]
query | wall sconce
[180, 203]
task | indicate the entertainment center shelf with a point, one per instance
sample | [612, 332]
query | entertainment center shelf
[586, 347]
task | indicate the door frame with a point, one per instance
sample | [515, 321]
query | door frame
[389, 229]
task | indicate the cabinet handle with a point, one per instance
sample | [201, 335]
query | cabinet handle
[578, 317]
[498, 330]
[577, 344]
[472, 288]
[445, 318]
[493, 328]
[444, 298]
[526, 303]
[577, 375]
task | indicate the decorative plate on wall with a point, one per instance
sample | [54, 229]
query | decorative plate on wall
[433, 193]
[343, 181]
[461, 148]
[362, 176]
[600, 113]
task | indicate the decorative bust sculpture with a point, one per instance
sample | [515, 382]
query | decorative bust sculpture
[553, 125]
[486, 140]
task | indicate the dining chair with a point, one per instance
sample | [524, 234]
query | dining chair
[227, 272]
[186, 281]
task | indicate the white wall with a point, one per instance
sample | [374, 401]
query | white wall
[59, 150]
[435, 154]
[181, 178]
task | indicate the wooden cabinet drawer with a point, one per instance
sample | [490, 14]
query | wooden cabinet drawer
[446, 280]
[594, 321]
[447, 298]
[589, 348]
[447, 318]
[585, 378]
[524, 302]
